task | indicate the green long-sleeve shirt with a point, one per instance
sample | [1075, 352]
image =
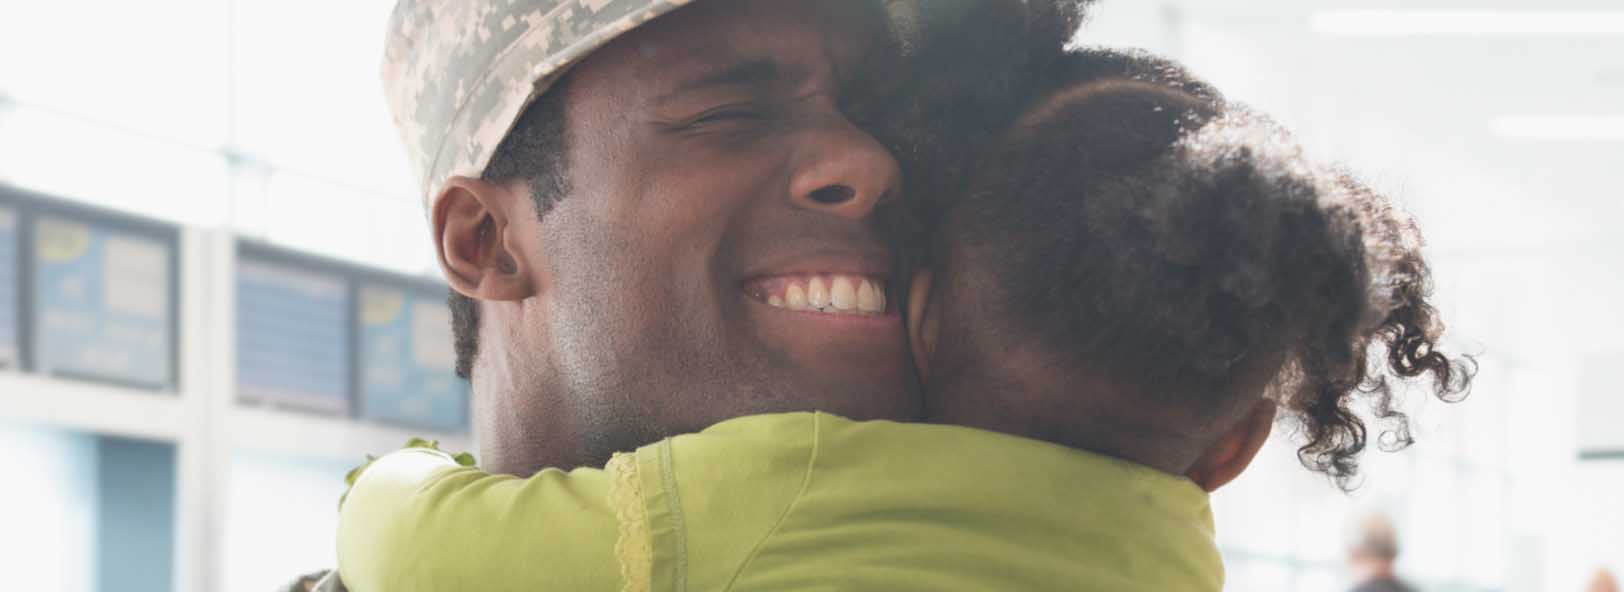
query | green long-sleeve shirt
[799, 501]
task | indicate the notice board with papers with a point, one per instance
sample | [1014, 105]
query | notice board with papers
[104, 302]
[293, 344]
[407, 361]
[10, 281]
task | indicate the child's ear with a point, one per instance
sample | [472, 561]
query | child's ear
[1227, 458]
[921, 322]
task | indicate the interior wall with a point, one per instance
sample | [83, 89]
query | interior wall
[49, 493]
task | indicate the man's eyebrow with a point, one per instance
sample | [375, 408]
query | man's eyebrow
[750, 72]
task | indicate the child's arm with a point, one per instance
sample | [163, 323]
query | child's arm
[417, 520]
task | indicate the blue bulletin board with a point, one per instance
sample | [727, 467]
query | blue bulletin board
[407, 361]
[293, 348]
[10, 278]
[103, 303]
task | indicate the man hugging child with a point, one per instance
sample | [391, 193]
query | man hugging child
[1124, 279]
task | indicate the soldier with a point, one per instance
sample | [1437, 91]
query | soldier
[1372, 552]
[609, 181]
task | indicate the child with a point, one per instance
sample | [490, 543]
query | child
[1121, 290]
[1177, 259]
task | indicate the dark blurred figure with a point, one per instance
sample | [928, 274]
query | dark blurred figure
[1603, 581]
[306, 583]
[1371, 552]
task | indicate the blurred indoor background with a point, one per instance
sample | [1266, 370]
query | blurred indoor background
[216, 292]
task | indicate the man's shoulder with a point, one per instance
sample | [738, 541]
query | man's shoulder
[1384, 585]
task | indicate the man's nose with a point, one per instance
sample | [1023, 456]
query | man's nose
[842, 170]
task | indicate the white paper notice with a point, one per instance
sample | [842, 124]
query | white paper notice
[137, 278]
[431, 336]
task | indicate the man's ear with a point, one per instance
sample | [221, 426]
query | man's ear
[921, 322]
[477, 241]
[1234, 451]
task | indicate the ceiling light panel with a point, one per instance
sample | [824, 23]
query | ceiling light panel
[1468, 23]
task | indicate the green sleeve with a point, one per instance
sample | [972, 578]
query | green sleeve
[416, 520]
[715, 497]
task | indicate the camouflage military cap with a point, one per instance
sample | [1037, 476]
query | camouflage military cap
[458, 73]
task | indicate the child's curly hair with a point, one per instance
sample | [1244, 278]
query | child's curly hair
[1176, 240]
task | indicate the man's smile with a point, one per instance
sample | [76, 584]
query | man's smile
[827, 293]
[847, 287]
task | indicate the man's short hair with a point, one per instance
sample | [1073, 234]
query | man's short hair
[536, 153]
[1374, 537]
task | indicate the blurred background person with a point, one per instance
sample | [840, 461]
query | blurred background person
[306, 582]
[1603, 581]
[1372, 551]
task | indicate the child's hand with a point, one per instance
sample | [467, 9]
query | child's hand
[462, 458]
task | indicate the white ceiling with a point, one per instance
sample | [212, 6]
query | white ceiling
[1416, 112]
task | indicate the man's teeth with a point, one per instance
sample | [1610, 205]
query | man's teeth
[794, 298]
[837, 294]
[868, 297]
[843, 296]
[817, 295]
